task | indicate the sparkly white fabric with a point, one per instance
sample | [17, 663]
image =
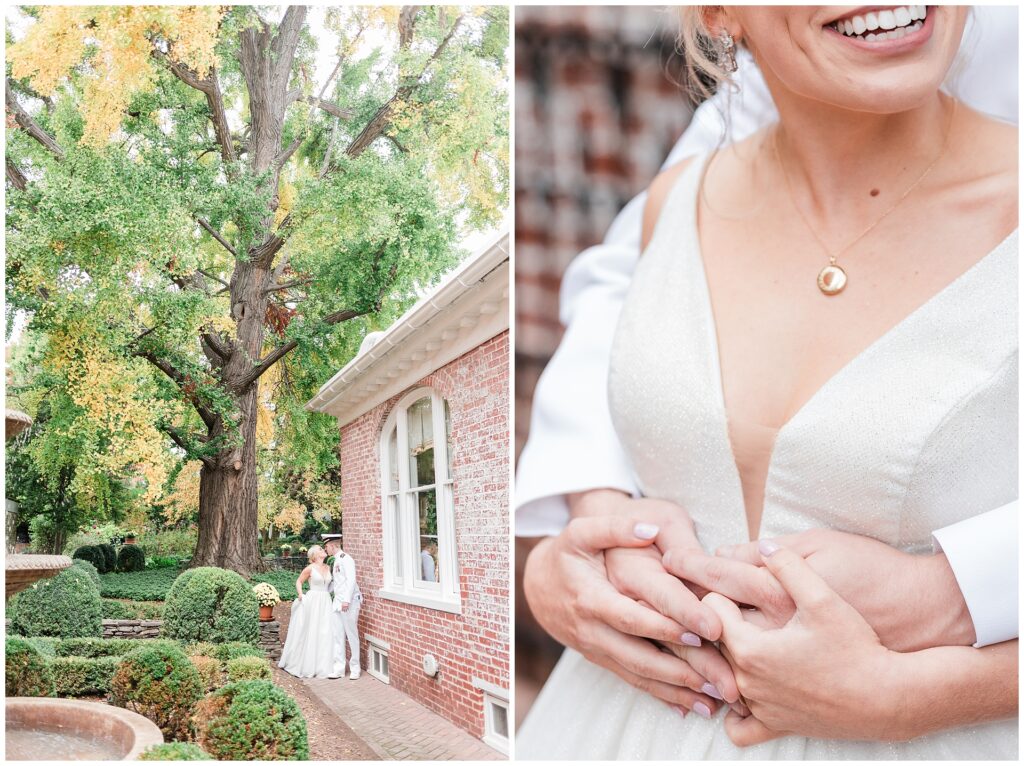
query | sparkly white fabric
[309, 648]
[926, 436]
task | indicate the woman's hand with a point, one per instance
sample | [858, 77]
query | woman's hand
[567, 587]
[825, 673]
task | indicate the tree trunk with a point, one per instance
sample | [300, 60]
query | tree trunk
[228, 503]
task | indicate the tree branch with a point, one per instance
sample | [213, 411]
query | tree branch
[270, 359]
[217, 236]
[174, 374]
[282, 158]
[209, 86]
[342, 113]
[380, 120]
[30, 126]
[15, 176]
[181, 440]
[287, 285]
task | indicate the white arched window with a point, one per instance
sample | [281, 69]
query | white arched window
[420, 562]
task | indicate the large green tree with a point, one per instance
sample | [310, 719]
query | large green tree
[199, 231]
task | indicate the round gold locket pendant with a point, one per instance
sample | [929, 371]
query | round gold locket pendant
[831, 280]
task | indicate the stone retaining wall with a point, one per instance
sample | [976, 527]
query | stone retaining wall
[270, 639]
[132, 628]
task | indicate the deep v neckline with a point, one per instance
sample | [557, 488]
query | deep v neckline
[698, 168]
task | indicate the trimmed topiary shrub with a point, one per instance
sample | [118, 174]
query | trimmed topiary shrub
[158, 681]
[226, 652]
[65, 606]
[211, 604]
[209, 670]
[93, 555]
[175, 751]
[45, 645]
[27, 673]
[102, 647]
[89, 569]
[109, 557]
[82, 676]
[251, 721]
[131, 559]
[248, 669]
[131, 610]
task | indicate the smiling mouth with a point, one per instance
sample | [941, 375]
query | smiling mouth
[879, 25]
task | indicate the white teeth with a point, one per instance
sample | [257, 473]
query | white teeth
[887, 20]
[871, 36]
[848, 27]
[902, 16]
[859, 25]
[905, 19]
[872, 21]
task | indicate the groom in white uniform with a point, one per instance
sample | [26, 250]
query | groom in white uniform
[347, 600]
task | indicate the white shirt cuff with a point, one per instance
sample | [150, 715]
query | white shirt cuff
[982, 552]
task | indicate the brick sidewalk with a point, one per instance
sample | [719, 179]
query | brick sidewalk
[395, 726]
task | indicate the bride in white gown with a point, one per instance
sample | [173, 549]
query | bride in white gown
[764, 408]
[309, 647]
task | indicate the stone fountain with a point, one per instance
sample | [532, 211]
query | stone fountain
[46, 729]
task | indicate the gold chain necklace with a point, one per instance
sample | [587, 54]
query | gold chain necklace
[832, 278]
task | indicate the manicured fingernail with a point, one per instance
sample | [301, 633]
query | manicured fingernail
[705, 629]
[701, 709]
[690, 639]
[767, 547]
[712, 691]
[646, 531]
[682, 711]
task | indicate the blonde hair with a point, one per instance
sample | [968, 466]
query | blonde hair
[313, 551]
[697, 45]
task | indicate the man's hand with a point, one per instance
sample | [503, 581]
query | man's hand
[911, 601]
[344, 606]
[567, 587]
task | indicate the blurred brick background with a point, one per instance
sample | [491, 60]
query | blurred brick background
[597, 112]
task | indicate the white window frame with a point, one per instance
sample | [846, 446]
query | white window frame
[378, 647]
[494, 696]
[445, 594]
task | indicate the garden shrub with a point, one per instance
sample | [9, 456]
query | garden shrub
[158, 681]
[251, 721]
[89, 569]
[151, 585]
[27, 673]
[132, 610]
[66, 606]
[249, 669]
[109, 557]
[209, 670]
[175, 751]
[131, 558]
[45, 645]
[96, 647]
[83, 676]
[211, 604]
[163, 562]
[93, 555]
[226, 652]
[94, 536]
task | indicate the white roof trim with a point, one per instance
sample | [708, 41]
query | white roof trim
[469, 307]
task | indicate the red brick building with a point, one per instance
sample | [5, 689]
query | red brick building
[425, 434]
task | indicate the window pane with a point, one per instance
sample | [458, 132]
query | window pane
[396, 535]
[427, 501]
[421, 443]
[448, 435]
[393, 460]
[499, 720]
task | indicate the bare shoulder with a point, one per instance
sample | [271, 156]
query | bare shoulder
[657, 193]
[989, 163]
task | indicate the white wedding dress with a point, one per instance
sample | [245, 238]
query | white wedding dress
[917, 432]
[309, 647]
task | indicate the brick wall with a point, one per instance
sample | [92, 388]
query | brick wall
[474, 644]
[597, 112]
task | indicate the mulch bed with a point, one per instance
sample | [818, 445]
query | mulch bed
[330, 739]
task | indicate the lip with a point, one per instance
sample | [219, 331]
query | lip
[895, 47]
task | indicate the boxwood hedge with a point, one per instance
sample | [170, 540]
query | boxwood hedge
[89, 569]
[158, 681]
[27, 673]
[66, 605]
[211, 604]
[82, 676]
[131, 558]
[251, 721]
[175, 751]
[248, 669]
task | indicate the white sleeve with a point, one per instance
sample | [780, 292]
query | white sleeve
[572, 444]
[349, 585]
[982, 552]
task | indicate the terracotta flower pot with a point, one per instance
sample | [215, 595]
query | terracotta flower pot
[266, 613]
[129, 541]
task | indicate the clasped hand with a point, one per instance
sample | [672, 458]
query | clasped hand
[800, 660]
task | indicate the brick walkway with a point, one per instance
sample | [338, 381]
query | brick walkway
[394, 725]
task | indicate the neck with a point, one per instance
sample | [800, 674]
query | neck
[836, 158]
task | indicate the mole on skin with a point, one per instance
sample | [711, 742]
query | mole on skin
[874, 192]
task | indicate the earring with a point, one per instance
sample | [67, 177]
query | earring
[726, 51]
